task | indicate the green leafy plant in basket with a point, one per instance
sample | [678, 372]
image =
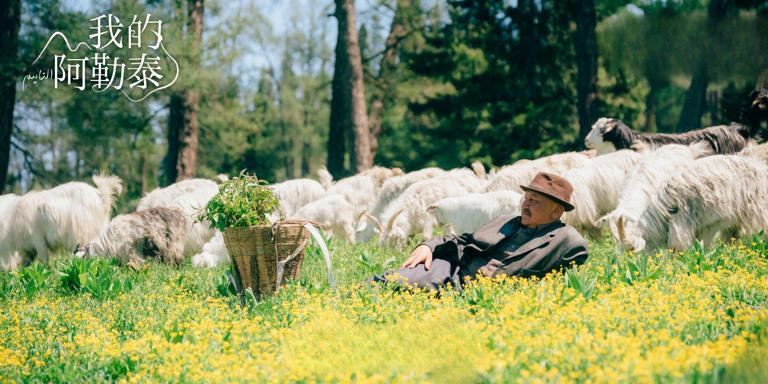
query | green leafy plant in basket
[245, 210]
[242, 201]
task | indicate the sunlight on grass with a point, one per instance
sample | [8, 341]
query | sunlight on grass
[699, 316]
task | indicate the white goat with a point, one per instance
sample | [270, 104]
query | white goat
[358, 190]
[334, 212]
[511, 177]
[759, 152]
[136, 237]
[479, 169]
[214, 253]
[642, 182]
[596, 189]
[294, 194]
[60, 217]
[190, 196]
[717, 196]
[381, 174]
[409, 213]
[325, 177]
[12, 259]
[467, 213]
[393, 187]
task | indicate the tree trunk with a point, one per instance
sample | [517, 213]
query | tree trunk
[306, 167]
[586, 58]
[529, 38]
[651, 100]
[387, 67]
[695, 101]
[175, 121]
[183, 129]
[144, 170]
[186, 164]
[10, 14]
[696, 96]
[348, 111]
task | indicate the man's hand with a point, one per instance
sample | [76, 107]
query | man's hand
[422, 254]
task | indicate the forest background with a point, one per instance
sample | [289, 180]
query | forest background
[275, 88]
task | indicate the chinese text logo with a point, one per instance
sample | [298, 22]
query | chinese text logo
[144, 72]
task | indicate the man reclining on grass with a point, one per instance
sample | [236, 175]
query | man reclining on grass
[532, 244]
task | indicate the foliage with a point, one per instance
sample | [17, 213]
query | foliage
[587, 324]
[467, 74]
[242, 201]
[98, 276]
[33, 277]
[579, 282]
[226, 285]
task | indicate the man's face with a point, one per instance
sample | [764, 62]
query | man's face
[538, 209]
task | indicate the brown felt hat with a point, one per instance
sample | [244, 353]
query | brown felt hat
[553, 186]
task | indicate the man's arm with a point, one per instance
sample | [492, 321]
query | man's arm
[436, 244]
[424, 252]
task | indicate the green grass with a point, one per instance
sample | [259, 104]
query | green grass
[695, 316]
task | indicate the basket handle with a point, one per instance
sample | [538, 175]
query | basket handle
[324, 248]
[281, 263]
[309, 225]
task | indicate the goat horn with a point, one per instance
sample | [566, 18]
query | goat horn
[613, 229]
[621, 228]
[392, 219]
[375, 221]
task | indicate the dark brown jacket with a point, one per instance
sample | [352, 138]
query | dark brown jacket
[484, 251]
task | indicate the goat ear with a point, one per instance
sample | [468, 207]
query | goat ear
[610, 126]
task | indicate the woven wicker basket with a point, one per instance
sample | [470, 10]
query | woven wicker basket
[266, 256]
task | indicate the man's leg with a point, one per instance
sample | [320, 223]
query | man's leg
[441, 273]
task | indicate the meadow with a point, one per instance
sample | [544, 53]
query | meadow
[699, 316]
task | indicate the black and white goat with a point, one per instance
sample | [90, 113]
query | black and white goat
[756, 110]
[609, 135]
[134, 238]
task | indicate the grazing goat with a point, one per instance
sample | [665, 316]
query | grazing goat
[393, 187]
[409, 213]
[11, 259]
[608, 135]
[334, 212]
[467, 213]
[596, 189]
[134, 238]
[190, 196]
[294, 194]
[214, 253]
[358, 190]
[60, 217]
[641, 183]
[511, 177]
[717, 196]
